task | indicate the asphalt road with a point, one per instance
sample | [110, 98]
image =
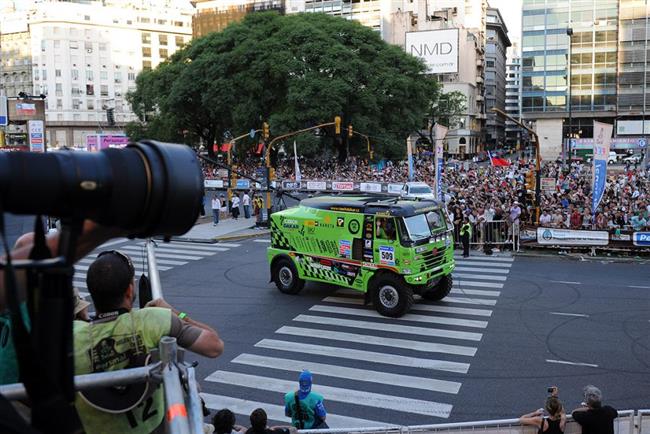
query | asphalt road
[553, 322]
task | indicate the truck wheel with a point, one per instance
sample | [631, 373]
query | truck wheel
[391, 296]
[441, 290]
[286, 277]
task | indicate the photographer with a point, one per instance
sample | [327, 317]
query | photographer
[120, 337]
[556, 420]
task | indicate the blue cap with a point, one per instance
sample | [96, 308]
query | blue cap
[305, 381]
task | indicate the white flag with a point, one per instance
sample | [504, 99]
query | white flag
[297, 168]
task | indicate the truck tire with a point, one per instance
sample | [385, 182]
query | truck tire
[391, 296]
[441, 290]
[286, 277]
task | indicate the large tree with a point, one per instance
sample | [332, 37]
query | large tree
[293, 71]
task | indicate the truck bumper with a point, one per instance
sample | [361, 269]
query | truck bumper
[430, 277]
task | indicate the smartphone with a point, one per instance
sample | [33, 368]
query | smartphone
[550, 389]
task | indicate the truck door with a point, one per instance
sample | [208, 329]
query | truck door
[385, 241]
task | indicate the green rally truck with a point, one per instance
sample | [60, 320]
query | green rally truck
[386, 247]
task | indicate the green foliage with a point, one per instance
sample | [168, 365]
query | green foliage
[448, 108]
[295, 71]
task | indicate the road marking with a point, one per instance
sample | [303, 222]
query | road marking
[162, 255]
[245, 407]
[463, 300]
[407, 317]
[638, 286]
[475, 292]
[351, 396]
[483, 258]
[482, 270]
[192, 246]
[136, 260]
[182, 250]
[566, 282]
[228, 245]
[486, 264]
[367, 356]
[394, 328]
[112, 243]
[349, 373]
[569, 314]
[263, 240]
[427, 347]
[564, 362]
[138, 269]
[463, 282]
[427, 307]
[479, 277]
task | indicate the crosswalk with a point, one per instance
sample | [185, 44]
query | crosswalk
[364, 364]
[168, 256]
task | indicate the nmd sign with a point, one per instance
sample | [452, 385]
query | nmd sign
[437, 48]
[641, 239]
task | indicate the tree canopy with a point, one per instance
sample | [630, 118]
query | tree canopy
[293, 71]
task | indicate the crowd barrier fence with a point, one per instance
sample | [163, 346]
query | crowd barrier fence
[626, 423]
[497, 233]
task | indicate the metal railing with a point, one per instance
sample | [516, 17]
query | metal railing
[498, 233]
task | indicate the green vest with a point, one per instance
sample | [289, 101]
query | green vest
[112, 342]
[466, 228]
[307, 406]
[8, 360]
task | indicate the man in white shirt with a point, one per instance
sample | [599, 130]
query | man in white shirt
[246, 201]
[216, 207]
[545, 219]
[234, 206]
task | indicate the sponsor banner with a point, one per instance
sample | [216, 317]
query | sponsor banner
[602, 138]
[641, 239]
[222, 173]
[395, 188]
[316, 185]
[243, 184]
[548, 184]
[4, 118]
[621, 237]
[342, 185]
[441, 133]
[291, 185]
[213, 183]
[370, 186]
[345, 248]
[566, 237]
[437, 48]
[36, 131]
[95, 142]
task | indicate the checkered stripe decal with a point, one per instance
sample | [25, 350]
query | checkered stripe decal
[278, 239]
[319, 273]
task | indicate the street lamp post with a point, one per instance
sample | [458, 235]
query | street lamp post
[569, 32]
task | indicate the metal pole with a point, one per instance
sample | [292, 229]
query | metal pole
[176, 418]
[569, 32]
[154, 276]
[194, 402]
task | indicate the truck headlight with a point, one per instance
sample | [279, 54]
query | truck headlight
[421, 249]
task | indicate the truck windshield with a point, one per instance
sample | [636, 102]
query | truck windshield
[424, 225]
[420, 189]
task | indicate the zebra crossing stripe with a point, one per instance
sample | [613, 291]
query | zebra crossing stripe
[184, 251]
[367, 356]
[350, 396]
[407, 317]
[463, 282]
[482, 270]
[349, 373]
[228, 245]
[479, 276]
[481, 292]
[486, 264]
[245, 407]
[132, 250]
[427, 347]
[464, 300]
[136, 261]
[193, 246]
[393, 328]
[263, 240]
[504, 259]
[138, 268]
[427, 307]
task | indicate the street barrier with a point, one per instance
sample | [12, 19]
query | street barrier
[626, 239]
[624, 424]
[643, 422]
[497, 233]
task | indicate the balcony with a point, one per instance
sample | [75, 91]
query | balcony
[479, 79]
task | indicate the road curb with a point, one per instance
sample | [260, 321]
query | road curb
[240, 236]
[637, 260]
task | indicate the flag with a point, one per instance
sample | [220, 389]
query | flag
[225, 147]
[260, 148]
[409, 153]
[602, 139]
[441, 132]
[495, 161]
[295, 157]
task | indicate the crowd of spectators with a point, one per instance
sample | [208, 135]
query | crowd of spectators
[490, 193]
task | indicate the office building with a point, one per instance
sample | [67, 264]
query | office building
[495, 78]
[513, 101]
[216, 15]
[85, 57]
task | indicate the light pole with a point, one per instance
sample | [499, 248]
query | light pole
[569, 32]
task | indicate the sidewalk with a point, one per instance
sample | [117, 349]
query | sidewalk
[225, 230]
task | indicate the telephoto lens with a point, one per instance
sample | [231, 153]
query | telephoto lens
[148, 188]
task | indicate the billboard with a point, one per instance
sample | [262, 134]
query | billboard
[96, 142]
[26, 109]
[36, 133]
[437, 48]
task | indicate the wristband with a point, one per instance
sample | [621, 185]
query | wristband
[182, 315]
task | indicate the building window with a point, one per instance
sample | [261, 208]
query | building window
[104, 90]
[76, 104]
[74, 73]
[57, 73]
[74, 45]
[131, 76]
[146, 64]
[489, 63]
[87, 17]
[58, 90]
[146, 51]
[90, 89]
[90, 104]
[57, 44]
[146, 38]
[89, 75]
[88, 47]
[44, 74]
[76, 91]
[179, 41]
[59, 104]
[103, 75]
[162, 39]
[163, 53]
[118, 77]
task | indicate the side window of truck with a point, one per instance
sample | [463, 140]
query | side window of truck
[385, 228]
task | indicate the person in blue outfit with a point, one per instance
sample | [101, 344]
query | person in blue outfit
[304, 407]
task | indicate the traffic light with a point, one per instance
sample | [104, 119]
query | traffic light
[266, 133]
[350, 131]
[271, 174]
[337, 125]
[530, 180]
[233, 176]
[110, 116]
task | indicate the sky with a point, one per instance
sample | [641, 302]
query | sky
[511, 13]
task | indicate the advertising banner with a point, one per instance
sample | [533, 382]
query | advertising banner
[343, 185]
[566, 237]
[437, 48]
[4, 116]
[316, 185]
[243, 184]
[602, 138]
[370, 187]
[36, 133]
[96, 142]
[291, 185]
[548, 185]
[395, 188]
[441, 133]
[409, 155]
[641, 239]
[26, 110]
[213, 183]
